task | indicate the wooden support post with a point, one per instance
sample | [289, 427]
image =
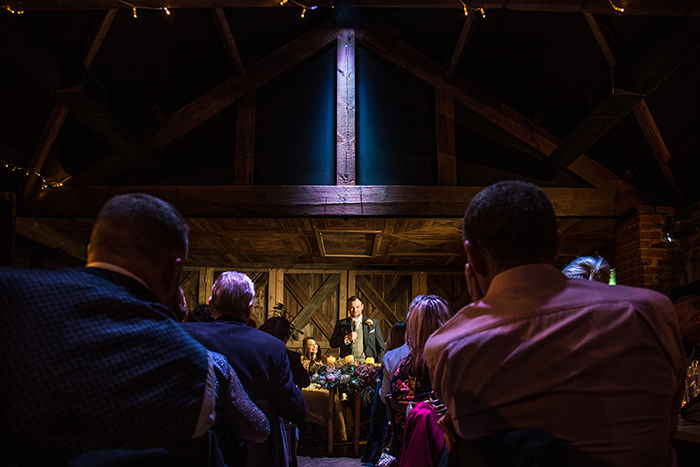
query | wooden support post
[245, 139]
[445, 131]
[345, 109]
[352, 290]
[202, 296]
[420, 284]
[331, 418]
[343, 292]
[275, 288]
[356, 424]
[7, 227]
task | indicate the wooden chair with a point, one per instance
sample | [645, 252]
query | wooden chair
[397, 410]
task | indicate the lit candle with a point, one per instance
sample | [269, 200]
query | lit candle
[330, 360]
[349, 359]
[369, 360]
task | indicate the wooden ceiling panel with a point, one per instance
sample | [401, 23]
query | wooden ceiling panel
[287, 242]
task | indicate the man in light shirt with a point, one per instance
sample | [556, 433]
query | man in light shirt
[598, 367]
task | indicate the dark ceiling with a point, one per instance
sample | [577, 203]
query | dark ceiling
[532, 80]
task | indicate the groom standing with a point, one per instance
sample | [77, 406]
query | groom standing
[357, 336]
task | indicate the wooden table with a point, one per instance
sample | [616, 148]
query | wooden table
[355, 421]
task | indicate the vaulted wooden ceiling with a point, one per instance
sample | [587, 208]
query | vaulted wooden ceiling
[598, 108]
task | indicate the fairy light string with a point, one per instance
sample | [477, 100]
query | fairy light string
[134, 7]
[44, 183]
[480, 9]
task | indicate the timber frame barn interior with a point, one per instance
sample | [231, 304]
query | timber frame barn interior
[330, 148]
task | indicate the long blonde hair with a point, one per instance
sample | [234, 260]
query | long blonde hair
[426, 316]
[588, 267]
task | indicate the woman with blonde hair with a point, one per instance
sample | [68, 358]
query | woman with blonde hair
[592, 268]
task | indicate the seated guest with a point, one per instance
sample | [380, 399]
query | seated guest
[589, 268]
[379, 421]
[260, 360]
[397, 336]
[358, 336]
[686, 300]
[411, 381]
[242, 417]
[199, 313]
[311, 360]
[599, 368]
[282, 329]
[93, 358]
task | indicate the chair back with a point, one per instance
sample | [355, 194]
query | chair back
[513, 448]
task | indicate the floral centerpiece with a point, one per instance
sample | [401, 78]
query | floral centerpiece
[348, 377]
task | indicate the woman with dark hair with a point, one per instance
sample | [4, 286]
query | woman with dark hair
[411, 380]
[282, 329]
[417, 440]
[397, 336]
[311, 358]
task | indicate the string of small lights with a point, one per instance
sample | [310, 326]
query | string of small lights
[44, 183]
[617, 9]
[466, 10]
[134, 7]
[299, 4]
[14, 12]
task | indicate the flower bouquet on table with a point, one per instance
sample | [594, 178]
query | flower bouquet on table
[348, 376]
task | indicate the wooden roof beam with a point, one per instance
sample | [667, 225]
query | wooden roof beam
[215, 101]
[658, 147]
[60, 112]
[462, 42]
[679, 44]
[315, 200]
[529, 133]
[227, 38]
[638, 7]
[641, 112]
[31, 56]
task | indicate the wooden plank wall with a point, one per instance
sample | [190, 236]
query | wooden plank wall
[316, 298]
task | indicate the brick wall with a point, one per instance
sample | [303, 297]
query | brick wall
[644, 257]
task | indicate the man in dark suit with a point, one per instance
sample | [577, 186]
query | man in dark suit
[92, 358]
[357, 336]
[260, 360]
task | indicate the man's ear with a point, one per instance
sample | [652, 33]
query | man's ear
[477, 261]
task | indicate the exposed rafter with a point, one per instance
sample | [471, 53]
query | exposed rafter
[66, 85]
[312, 200]
[215, 101]
[532, 135]
[638, 7]
[641, 111]
[679, 44]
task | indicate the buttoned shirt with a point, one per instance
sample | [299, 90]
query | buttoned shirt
[599, 367]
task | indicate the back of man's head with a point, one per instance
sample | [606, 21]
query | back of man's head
[139, 228]
[513, 223]
[232, 295]
[279, 327]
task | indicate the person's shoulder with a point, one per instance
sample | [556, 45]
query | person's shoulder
[266, 341]
[397, 352]
[619, 293]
